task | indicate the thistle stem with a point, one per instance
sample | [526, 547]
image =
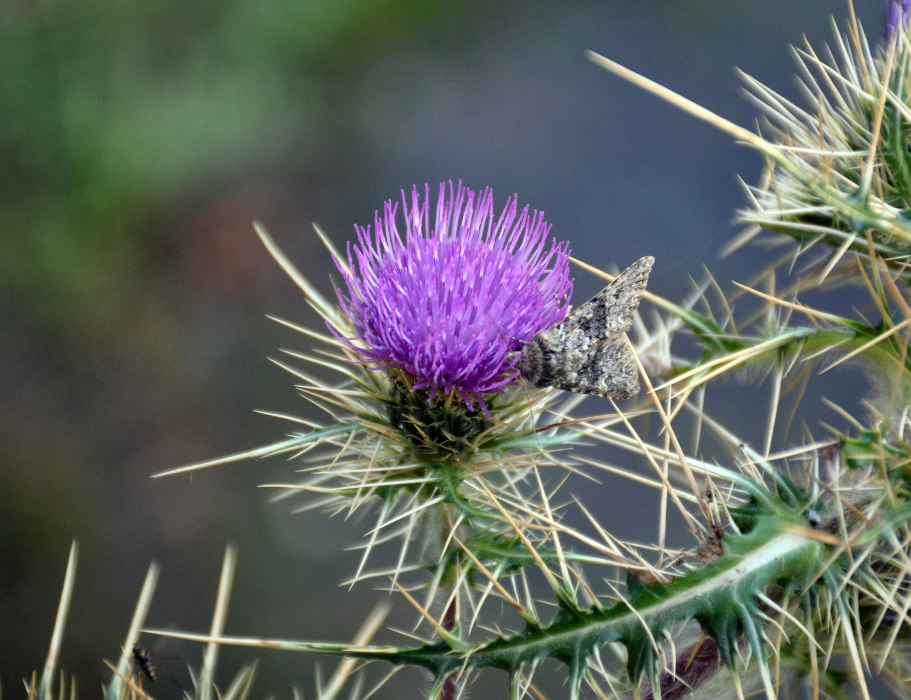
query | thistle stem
[450, 689]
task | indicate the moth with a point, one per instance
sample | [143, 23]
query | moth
[587, 352]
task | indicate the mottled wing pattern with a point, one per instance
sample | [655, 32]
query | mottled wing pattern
[610, 371]
[617, 302]
[587, 352]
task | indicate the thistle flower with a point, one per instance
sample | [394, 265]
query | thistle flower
[897, 13]
[428, 327]
[452, 303]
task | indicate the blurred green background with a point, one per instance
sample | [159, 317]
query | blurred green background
[137, 143]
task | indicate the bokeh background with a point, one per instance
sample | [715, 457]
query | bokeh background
[137, 143]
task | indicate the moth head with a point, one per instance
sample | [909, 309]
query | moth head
[531, 362]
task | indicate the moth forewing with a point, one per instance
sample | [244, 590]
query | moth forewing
[620, 299]
[612, 372]
[587, 352]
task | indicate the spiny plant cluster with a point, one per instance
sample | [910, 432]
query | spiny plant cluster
[797, 578]
[136, 669]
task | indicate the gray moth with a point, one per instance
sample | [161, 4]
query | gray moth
[587, 352]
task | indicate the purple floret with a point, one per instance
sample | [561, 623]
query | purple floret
[897, 14]
[451, 303]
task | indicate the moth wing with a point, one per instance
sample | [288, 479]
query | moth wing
[610, 370]
[587, 352]
[547, 360]
[610, 312]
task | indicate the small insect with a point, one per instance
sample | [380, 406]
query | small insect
[587, 351]
[143, 659]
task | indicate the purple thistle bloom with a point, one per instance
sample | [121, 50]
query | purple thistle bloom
[452, 303]
[897, 15]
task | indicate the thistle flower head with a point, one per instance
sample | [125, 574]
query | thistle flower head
[897, 13]
[451, 302]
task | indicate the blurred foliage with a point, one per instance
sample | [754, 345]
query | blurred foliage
[113, 112]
